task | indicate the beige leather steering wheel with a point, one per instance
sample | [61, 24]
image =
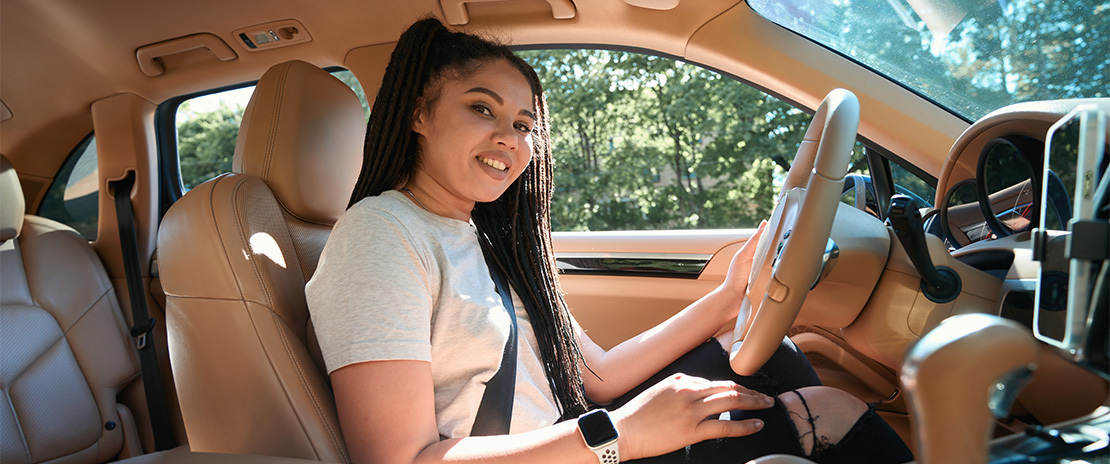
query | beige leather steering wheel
[788, 257]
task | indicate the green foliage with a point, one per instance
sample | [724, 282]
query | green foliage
[206, 142]
[206, 138]
[999, 52]
[643, 142]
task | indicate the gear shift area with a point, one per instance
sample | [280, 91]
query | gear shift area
[955, 374]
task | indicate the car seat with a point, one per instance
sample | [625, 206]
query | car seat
[234, 255]
[67, 352]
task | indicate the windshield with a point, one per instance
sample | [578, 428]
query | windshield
[971, 56]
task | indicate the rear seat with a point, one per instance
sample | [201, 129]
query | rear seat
[66, 350]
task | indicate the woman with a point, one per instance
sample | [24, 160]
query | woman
[457, 174]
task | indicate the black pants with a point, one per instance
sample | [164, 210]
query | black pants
[870, 440]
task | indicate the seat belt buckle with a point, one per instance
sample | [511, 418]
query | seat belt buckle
[140, 332]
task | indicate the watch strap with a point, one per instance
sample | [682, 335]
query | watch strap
[600, 435]
[608, 454]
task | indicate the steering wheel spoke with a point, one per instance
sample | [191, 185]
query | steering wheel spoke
[788, 257]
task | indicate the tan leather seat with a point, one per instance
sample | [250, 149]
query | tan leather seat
[234, 255]
[66, 350]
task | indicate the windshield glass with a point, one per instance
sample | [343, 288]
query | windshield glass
[971, 56]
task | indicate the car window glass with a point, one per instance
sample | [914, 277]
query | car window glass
[644, 142]
[72, 198]
[208, 125]
[906, 181]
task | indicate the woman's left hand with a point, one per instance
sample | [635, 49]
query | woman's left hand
[736, 282]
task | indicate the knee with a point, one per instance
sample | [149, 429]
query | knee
[824, 417]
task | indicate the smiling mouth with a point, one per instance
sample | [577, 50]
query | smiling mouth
[493, 163]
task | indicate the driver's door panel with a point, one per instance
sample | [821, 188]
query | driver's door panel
[614, 302]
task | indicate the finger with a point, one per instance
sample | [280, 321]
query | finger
[747, 250]
[730, 400]
[749, 391]
[705, 387]
[713, 428]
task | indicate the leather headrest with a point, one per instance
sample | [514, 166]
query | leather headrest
[11, 201]
[302, 134]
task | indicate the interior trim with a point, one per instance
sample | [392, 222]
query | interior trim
[680, 265]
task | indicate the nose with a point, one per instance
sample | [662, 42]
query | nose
[506, 135]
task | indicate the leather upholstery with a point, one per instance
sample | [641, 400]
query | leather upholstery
[288, 139]
[66, 351]
[11, 211]
[235, 253]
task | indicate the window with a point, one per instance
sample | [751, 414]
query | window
[906, 182]
[970, 56]
[644, 142]
[208, 125]
[72, 198]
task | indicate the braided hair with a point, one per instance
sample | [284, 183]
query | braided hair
[514, 230]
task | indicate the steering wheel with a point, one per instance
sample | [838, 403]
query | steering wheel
[788, 257]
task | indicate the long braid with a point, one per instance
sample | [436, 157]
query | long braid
[515, 229]
[522, 249]
[389, 151]
[524, 252]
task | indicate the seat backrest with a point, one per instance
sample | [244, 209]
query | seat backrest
[66, 350]
[234, 255]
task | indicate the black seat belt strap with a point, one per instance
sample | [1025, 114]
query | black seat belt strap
[495, 412]
[144, 342]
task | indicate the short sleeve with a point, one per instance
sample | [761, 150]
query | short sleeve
[370, 297]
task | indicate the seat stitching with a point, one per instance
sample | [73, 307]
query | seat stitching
[279, 323]
[275, 117]
[235, 203]
[31, 293]
[85, 312]
[37, 360]
[37, 356]
[216, 225]
[18, 426]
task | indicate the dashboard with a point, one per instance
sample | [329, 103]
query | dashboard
[1007, 211]
[1001, 211]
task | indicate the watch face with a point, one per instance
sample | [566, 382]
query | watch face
[597, 428]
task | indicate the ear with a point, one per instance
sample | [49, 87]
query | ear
[420, 116]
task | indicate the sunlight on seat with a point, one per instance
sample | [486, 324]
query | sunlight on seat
[265, 245]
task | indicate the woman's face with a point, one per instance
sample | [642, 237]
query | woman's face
[475, 140]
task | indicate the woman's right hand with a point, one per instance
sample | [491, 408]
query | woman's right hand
[682, 410]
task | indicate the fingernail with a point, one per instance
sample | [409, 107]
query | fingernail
[758, 424]
[768, 400]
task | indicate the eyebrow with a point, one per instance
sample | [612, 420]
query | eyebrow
[498, 99]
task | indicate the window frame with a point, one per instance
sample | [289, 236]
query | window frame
[68, 164]
[165, 123]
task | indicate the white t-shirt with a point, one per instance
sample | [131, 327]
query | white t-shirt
[396, 282]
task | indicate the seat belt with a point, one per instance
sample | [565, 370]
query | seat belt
[144, 341]
[495, 412]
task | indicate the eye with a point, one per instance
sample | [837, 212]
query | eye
[482, 109]
[523, 128]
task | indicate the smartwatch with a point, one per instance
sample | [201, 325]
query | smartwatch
[600, 435]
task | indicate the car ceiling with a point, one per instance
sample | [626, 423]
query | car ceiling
[57, 57]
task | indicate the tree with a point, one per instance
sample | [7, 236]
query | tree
[206, 142]
[998, 53]
[643, 142]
